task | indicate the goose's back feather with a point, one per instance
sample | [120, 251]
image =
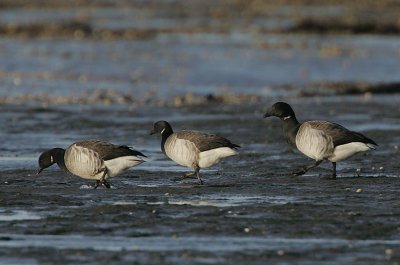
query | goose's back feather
[205, 141]
[339, 134]
[108, 151]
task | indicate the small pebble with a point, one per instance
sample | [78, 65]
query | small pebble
[280, 252]
[17, 81]
[166, 194]
[246, 229]
[359, 190]
[135, 247]
[389, 252]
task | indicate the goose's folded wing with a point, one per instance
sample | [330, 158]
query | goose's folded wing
[339, 134]
[108, 151]
[204, 141]
[122, 150]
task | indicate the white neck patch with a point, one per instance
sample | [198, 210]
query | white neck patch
[51, 159]
[287, 117]
[162, 131]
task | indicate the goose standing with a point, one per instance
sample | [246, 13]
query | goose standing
[192, 148]
[92, 159]
[319, 140]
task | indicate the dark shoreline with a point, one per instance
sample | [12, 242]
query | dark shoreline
[194, 17]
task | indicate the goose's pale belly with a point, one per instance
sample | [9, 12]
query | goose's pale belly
[213, 156]
[118, 165]
[345, 151]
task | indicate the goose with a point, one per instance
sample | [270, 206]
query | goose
[92, 159]
[319, 140]
[193, 149]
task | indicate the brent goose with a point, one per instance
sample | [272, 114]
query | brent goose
[92, 159]
[319, 140]
[192, 148]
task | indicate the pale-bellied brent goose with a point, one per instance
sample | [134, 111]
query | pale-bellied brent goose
[92, 159]
[193, 149]
[319, 140]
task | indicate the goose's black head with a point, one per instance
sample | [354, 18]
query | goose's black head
[49, 157]
[281, 110]
[161, 127]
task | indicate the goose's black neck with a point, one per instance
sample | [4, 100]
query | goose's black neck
[167, 131]
[290, 129]
[58, 156]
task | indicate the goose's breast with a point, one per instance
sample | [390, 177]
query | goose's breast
[83, 162]
[182, 151]
[314, 143]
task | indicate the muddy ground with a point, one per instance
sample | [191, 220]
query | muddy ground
[250, 210]
[73, 70]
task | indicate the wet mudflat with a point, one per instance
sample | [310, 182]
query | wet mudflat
[109, 69]
[250, 210]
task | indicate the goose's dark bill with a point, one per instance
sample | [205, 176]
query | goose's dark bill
[193, 149]
[319, 140]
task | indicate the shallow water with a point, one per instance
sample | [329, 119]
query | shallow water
[206, 244]
[17, 215]
[171, 65]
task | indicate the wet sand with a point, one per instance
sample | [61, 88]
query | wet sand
[250, 210]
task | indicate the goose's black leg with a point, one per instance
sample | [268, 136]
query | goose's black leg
[307, 168]
[198, 176]
[187, 175]
[97, 184]
[106, 184]
[102, 180]
[334, 170]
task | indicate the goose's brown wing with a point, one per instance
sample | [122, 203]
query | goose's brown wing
[205, 141]
[339, 134]
[108, 151]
